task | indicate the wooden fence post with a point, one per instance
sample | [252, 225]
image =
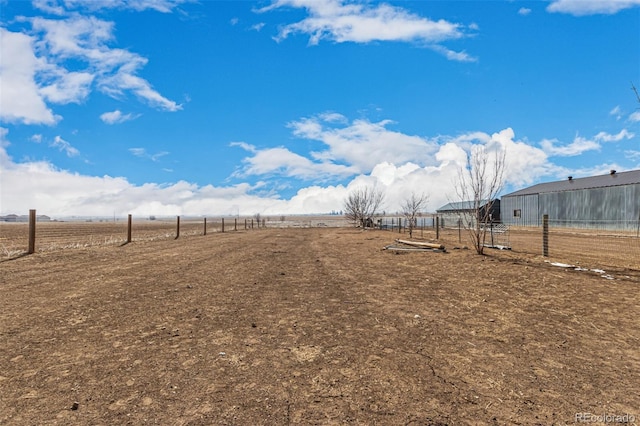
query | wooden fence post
[32, 232]
[245, 224]
[459, 230]
[545, 235]
[235, 223]
[437, 227]
[128, 229]
[223, 224]
[205, 226]
[177, 227]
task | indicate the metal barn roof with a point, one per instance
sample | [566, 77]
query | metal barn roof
[603, 181]
[460, 206]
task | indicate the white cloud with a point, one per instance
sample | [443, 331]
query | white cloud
[65, 147]
[634, 116]
[362, 144]
[61, 7]
[607, 137]
[342, 21]
[142, 153]
[281, 161]
[85, 39]
[116, 117]
[632, 155]
[68, 87]
[37, 138]
[20, 97]
[524, 11]
[61, 193]
[591, 7]
[577, 147]
[258, 26]
[616, 112]
[34, 69]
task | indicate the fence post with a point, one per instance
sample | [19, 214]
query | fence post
[459, 230]
[223, 224]
[545, 235]
[437, 227]
[235, 224]
[245, 224]
[32, 232]
[177, 227]
[205, 226]
[491, 228]
[128, 229]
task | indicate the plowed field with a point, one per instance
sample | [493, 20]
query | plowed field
[311, 326]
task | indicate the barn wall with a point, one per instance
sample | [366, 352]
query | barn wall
[528, 206]
[610, 207]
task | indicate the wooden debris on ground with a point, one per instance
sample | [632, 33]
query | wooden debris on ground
[406, 245]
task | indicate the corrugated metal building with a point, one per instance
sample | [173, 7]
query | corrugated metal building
[452, 212]
[611, 201]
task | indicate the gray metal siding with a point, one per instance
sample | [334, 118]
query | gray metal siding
[528, 206]
[615, 207]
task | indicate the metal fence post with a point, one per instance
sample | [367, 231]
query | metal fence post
[545, 235]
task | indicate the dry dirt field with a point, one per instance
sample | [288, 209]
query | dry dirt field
[311, 326]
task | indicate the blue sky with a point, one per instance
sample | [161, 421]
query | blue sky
[278, 107]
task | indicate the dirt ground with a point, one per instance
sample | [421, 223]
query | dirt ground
[312, 326]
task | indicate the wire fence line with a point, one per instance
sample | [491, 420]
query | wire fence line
[16, 238]
[607, 243]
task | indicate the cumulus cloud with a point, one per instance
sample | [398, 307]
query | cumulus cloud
[116, 117]
[591, 7]
[35, 66]
[432, 168]
[362, 144]
[634, 116]
[524, 11]
[20, 95]
[343, 21]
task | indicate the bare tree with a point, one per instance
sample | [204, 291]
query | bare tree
[479, 183]
[362, 204]
[411, 207]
